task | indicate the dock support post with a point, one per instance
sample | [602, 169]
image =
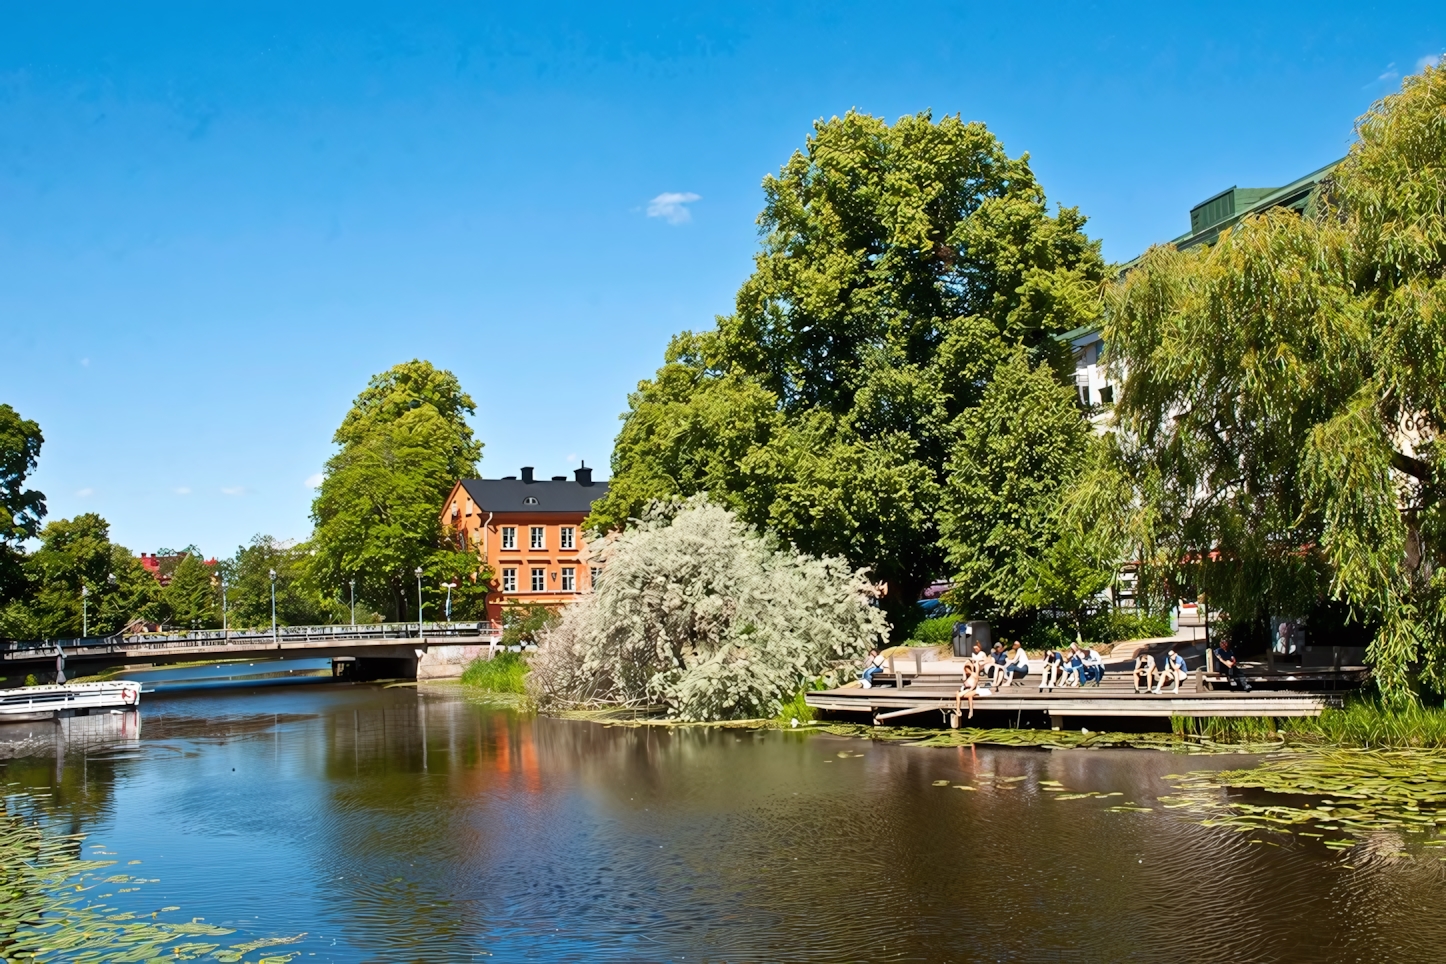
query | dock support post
[1055, 721]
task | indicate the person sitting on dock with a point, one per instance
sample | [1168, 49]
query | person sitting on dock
[1053, 670]
[1073, 666]
[873, 666]
[1093, 670]
[996, 668]
[1016, 667]
[1144, 669]
[1175, 669]
[979, 657]
[969, 688]
[1228, 666]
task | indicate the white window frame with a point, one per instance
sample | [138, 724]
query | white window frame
[569, 579]
[537, 537]
[569, 537]
[539, 574]
[509, 579]
[509, 537]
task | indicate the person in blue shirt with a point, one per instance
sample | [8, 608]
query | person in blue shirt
[1053, 670]
[1228, 666]
[1175, 669]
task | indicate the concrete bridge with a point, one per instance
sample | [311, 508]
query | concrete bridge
[376, 651]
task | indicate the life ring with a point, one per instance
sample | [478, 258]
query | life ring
[128, 695]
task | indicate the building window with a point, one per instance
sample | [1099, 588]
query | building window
[569, 579]
[509, 580]
[538, 542]
[569, 537]
[594, 572]
[1107, 395]
[509, 537]
[469, 506]
[539, 580]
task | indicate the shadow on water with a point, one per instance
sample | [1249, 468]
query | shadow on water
[392, 824]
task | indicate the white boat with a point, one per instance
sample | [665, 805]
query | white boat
[68, 699]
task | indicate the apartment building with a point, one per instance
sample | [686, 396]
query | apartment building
[528, 531]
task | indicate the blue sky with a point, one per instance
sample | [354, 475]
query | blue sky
[218, 220]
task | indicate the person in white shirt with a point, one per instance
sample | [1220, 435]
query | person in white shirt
[969, 689]
[1144, 672]
[1094, 667]
[1016, 667]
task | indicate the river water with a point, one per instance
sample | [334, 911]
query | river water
[398, 824]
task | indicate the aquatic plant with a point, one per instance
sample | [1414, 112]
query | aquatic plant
[699, 614]
[506, 672]
[50, 911]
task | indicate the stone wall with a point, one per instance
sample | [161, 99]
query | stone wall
[446, 661]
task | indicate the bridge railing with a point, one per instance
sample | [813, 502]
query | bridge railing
[483, 630]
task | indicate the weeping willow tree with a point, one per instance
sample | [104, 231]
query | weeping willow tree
[1284, 393]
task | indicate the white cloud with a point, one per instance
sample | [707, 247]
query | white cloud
[183, 490]
[313, 481]
[672, 206]
[233, 490]
[572, 457]
[85, 493]
[1432, 61]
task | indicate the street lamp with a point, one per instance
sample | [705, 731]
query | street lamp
[274, 637]
[84, 611]
[450, 586]
[352, 582]
[420, 631]
[225, 623]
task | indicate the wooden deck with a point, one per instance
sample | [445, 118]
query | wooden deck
[934, 691]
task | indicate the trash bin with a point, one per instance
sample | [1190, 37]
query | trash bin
[966, 634]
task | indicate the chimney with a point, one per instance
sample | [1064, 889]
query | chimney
[527, 473]
[583, 474]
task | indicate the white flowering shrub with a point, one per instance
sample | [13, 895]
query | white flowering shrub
[696, 613]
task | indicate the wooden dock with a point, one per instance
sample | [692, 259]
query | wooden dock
[933, 692]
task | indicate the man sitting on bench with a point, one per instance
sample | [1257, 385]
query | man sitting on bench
[1093, 670]
[1053, 670]
[1144, 670]
[1227, 665]
[1174, 669]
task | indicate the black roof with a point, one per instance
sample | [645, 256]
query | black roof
[513, 495]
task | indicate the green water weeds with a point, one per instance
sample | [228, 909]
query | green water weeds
[503, 673]
[52, 905]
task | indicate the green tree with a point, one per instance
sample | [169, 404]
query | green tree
[21, 509]
[299, 601]
[192, 599]
[900, 265]
[404, 444]
[1286, 389]
[74, 554]
[1017, 453]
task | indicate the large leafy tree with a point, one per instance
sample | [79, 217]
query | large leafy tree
[900, 265]
[192, 598]
[21, 509]
[1285, 395]
[77, 554]
[404, 444]
[299, 601]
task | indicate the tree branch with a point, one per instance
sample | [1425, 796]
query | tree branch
[1410, 466]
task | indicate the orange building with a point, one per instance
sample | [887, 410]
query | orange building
[528, 532]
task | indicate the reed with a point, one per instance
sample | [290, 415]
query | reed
[503, 673]
[1366, 724]
[795, 709]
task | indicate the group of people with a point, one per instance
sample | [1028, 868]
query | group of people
[1078, 666]
[1148, 674]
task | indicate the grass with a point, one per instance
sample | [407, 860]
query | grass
[503, 673]
[795, 709]
[1363, 724]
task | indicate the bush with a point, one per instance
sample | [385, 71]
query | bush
[938, 631]
[1123, 624]
[702, 616]
[505, 672]
[523, 625]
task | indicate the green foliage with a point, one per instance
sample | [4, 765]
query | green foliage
[506, 672]
[524, 624]
[1285, 390]
[1125, 624]
[934, 632]
[701, 615]
[1371, 725]
[1017, 452]
[298, 600]
[404, 444]
[900, 265]
[795, 709]
[76, 553]
[192, 599]
[21, 509]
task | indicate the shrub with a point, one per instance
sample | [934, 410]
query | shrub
[524, 624]
[704, 617]
[938, 631]
[1123, 624]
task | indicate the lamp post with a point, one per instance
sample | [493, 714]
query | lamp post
[420, 631]
[225, 622]
[450, 586]
[84, 611]
[352, 582]
[274, 637]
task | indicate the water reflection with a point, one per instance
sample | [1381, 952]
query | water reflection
[393, 825]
